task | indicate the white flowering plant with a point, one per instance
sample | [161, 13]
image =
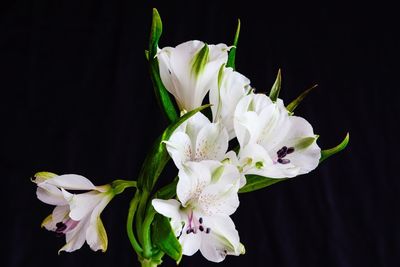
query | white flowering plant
[193, 211]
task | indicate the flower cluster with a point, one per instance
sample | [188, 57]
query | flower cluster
[247, 142]
[272, 143]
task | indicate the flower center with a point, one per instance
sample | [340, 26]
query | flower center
[281, 153]
[64, 227]
[195, 225]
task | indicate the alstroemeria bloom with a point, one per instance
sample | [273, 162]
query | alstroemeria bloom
[232, 86]
[273, 143]
[75, 215]
[189, 70]
[198, 139]
[207, 194]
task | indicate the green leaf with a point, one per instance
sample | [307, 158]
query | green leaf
[256, 182]
[200, 60]
[164, 237]
[232, 52]
[329, 152]
[276, 87]
[293, 105]
[163, 97]
[158, 157]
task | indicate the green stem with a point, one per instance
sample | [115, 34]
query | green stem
[146, 231]
[129, 223]
[141, 213]
[149, 263]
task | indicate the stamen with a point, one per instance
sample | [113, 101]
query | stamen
[188, 231]
[200, 220]
[201, 228]
[60, 227]
[208, 230]
[282, 152]
[290, 150]
[283, 161]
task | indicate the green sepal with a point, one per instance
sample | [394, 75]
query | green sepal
[200, 60]
[163, 97]
[256, 182]
[158, 156]
[329, 152]
[276, 87]
[293, 105]
[164, 238]
[305, 142]
[232, 52]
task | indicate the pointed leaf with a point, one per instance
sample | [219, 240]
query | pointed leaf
[232, 52]
[256, 182]
[163, 97]
[158, 156]
[276, 87]
[164, 237]
[329, 152]
[292, 106]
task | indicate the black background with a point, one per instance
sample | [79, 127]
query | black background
[76, 97]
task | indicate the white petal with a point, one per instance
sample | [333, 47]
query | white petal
[179, 147]
[82, 205]
[169, 208]
[193, 177]
[222, 240]
[190, 243]
[96, 235]
[40, 177]
[221, 196]
[212, 142]
[59, 214]
[234, 86]
[76, 237]
[50, 194]
[71, 182]
[194, 125]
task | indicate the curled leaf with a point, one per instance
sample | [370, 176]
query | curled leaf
[293, 105]
[329, 152]
[232, 52]
[257, 182]
[276, 87]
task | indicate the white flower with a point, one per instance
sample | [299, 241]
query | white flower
[189, 70]
[208, 193]
[273, 143]
[232, 86]
[198, 139]
[75, 215]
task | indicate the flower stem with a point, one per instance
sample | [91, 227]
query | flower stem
[149, 263]
[129, 223]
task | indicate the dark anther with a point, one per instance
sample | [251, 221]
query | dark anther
[208, 230]
[60, 227]
[188, 231]
[201, 228]
[290, 150]
[283, 161]
[282, 152]
[200, 220]
[59, 234]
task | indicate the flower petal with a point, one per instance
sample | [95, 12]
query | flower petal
[170, 208]
[193, 177]
[72, 182]
[221, 196]
[50, 194]
[233, 87]
[82, 205]
[96, 235]
[180, 149]
[222, 240]
[76, 237]
[190, 243]
[212, 142]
